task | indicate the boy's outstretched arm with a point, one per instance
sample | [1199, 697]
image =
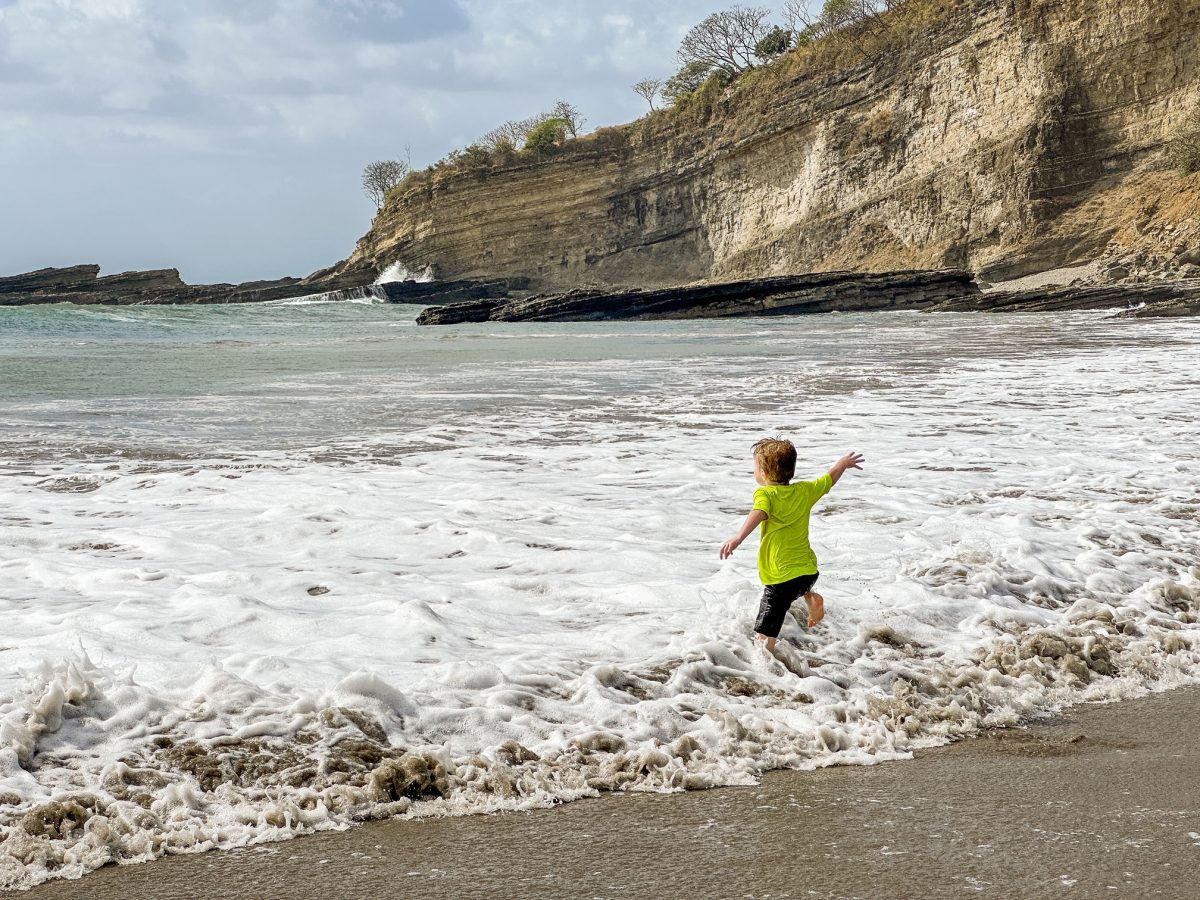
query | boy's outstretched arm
[756, 518]
[849, 461]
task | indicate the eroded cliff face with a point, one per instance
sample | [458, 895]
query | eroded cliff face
[1008, 139]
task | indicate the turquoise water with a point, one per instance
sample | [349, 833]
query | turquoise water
[180, 382]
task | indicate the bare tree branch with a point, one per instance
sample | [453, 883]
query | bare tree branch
[511, 134]
[569, 113]
[726, 40]
[514, 134]
[796, 17]
[381, 176]
[839, 17]
[648, 89]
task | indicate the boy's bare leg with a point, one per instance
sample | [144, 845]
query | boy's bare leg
[768, 642]
[816, 608]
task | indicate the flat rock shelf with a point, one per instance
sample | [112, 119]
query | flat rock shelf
[783, 295]
[1162, 299]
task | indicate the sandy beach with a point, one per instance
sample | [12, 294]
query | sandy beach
[1101, 802]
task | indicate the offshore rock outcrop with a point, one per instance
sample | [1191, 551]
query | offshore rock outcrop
[787, 295]
[1007, 137]
[434, 292]
[85, 285]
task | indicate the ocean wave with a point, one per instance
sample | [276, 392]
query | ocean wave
[365, 296]
[510, 596]
[235, 766]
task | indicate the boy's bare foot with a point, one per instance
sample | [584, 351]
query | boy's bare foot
[816, 608]
[767, 642]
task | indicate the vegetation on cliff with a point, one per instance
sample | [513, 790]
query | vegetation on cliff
[731, 58]
[537, 135]
[1184, 151]
[382, 176]
[726, 41]
[729, 55]
[727, 45]
[902, 142]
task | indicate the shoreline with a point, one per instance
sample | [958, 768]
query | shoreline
[517, 299]
[1099, 802]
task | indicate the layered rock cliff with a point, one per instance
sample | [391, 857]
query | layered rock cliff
[1002, 136]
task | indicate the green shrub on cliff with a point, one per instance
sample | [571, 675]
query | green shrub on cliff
[686, 81]
[704, 102]
[716, 82]
[473, 157]
[777, 42]
[572, 119]
[1184, 151]
[515, 133]
[547, 135]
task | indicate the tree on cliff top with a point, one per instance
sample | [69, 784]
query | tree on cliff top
[777, 42]
[381, 176]
[515, 134]
[511, 134]
[726, 40]
[648, 89]
[838, 17]
[570, 115]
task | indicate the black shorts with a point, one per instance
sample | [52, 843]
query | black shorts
[777, 599]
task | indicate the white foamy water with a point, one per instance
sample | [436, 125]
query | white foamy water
[302, 578]
[397, 271]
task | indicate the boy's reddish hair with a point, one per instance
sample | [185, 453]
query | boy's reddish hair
[777, 458]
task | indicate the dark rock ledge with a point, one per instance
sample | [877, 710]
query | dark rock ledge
[780, 296]
[1161, 299]
[84, 285]
[508, 300]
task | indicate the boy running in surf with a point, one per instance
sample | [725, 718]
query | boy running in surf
[786, 562]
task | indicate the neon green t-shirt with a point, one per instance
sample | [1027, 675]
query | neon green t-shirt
[783, 551]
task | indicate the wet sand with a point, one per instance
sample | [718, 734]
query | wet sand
[1103, 802]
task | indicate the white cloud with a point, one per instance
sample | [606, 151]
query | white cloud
[305, 91]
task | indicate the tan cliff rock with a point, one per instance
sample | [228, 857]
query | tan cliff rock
[1003, 136]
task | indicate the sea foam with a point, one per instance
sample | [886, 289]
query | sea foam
[517, 600]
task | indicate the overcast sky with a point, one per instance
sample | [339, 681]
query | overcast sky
[226, 138]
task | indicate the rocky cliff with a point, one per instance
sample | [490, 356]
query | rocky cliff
[1002, 136]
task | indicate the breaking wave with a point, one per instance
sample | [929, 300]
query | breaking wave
[368, 294]
[235, 765]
